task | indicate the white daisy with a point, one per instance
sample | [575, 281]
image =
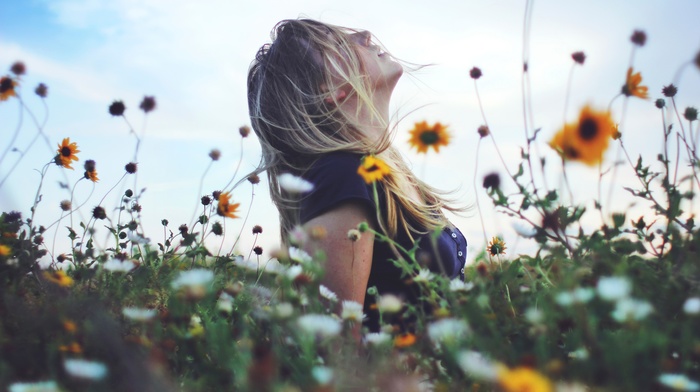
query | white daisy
[377, 338]
[197, 277]
[447, 330]
[320, 325]
[679, 382]
[322, 374]
[631, 309]
[423, 276]
[457, 284]
[524, 230]
[476, 366]
[352, 311]
[40, 386]
[389, 303]
[327, 293]
[299, 255]
[116, 265]
[692, 305]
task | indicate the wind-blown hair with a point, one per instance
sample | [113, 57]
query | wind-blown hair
[289, 84]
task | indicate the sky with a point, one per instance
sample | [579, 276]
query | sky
[193, 57]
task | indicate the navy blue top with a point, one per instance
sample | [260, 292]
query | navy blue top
[336, 181]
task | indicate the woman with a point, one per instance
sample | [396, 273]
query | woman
[319, 102]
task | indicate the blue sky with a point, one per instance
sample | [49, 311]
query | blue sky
[193, 57]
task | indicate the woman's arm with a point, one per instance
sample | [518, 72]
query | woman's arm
[348, 263]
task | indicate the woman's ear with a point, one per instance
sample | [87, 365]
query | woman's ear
[338, 95]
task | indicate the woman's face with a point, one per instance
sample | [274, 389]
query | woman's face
[382, 70]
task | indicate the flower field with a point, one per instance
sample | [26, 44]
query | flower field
[612, 305]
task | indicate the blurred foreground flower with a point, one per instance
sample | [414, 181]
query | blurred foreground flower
[40, 386]
[424, 136]
[59, 278]
[586, 140]
[352, 311]
[195, 283]
[523, 379]
[405, 340]
[373, 169]
[678, 382]
[66, 153]
[117, 265]
[7, 88]
[447, 331]
[475, 365]
[293, 184]
[139, 314]
[613, 288]
[81, 368]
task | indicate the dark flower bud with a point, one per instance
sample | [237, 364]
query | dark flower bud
[164, 222]
[41, 90]
[253, 179]
[492, 180]
[216, 195]
[669, 91]
[639, 37]
[483, 131]
[66, 205]
[148, 104]
[215, 154]
[122, 235]
[136, 207]
[38, 240]
[244, 131]
[475, 73]
[660, 103]
[691, 113]
[132, 225]
[206, 200]
[128, 193]
[130, 167]
[697, 60]
[117, 108]
[257, 229]
[99, 213]
[217, 229]
[183, 229]
[258, 250]
[578, 57]
[18, 68]
[89, 165]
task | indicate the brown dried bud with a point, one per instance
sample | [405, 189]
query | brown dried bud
[131, 167]
[148, 104]
[117, 108]
[18, 68]
[244, 131]
[99, 213]
[483, 131]
[578, 57]
[41, 90]
[669, 91]
[257, 229]
[253, 179]
[258, 250]
[475, 73]
[215, 154]
[639, 37]
[492, 180]
[66, 205]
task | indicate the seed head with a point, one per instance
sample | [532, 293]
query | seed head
[669, 91]
[89, 165]
[639, 38]
[206, 200]
[354, 235]
[215, 154]
[117, 108]
[217, 229]
[483, 131]
[258, 250]
[131, 167]
[492, 180]
[99, 213]
[148, 104]
[128, 193]
[183, 229]
[691, 113]
[66, 205]
[41, 90]
[216, 195]
[660, 103]
[244, 131]
[257, 229]
[475, 73]
[578, 57]
[253, 179]
[18, 68]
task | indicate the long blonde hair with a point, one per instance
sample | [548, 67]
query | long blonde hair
[288, 89]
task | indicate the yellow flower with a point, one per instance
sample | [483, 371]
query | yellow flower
[405, 340]
[373, 169]
[59, 277]
[225, 208]
[66, 153]
[587, 139]
[5, 250]
[496, 247]
[632, 87]
[70, 326]
[73, 348]
[522, 379]
[7, 88]
[91, 175]
[424, 136]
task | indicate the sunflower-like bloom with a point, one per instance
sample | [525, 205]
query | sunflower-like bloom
[373, 169]
[587, 139]
[523, 379]
[7, 88]
[225, 208]
[405, 340]
[91, 175]
[424, 136]
[496, 247]
[59, 278]
[66, 153]
[632, 85]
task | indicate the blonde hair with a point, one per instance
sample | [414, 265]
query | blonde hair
[289, 84]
